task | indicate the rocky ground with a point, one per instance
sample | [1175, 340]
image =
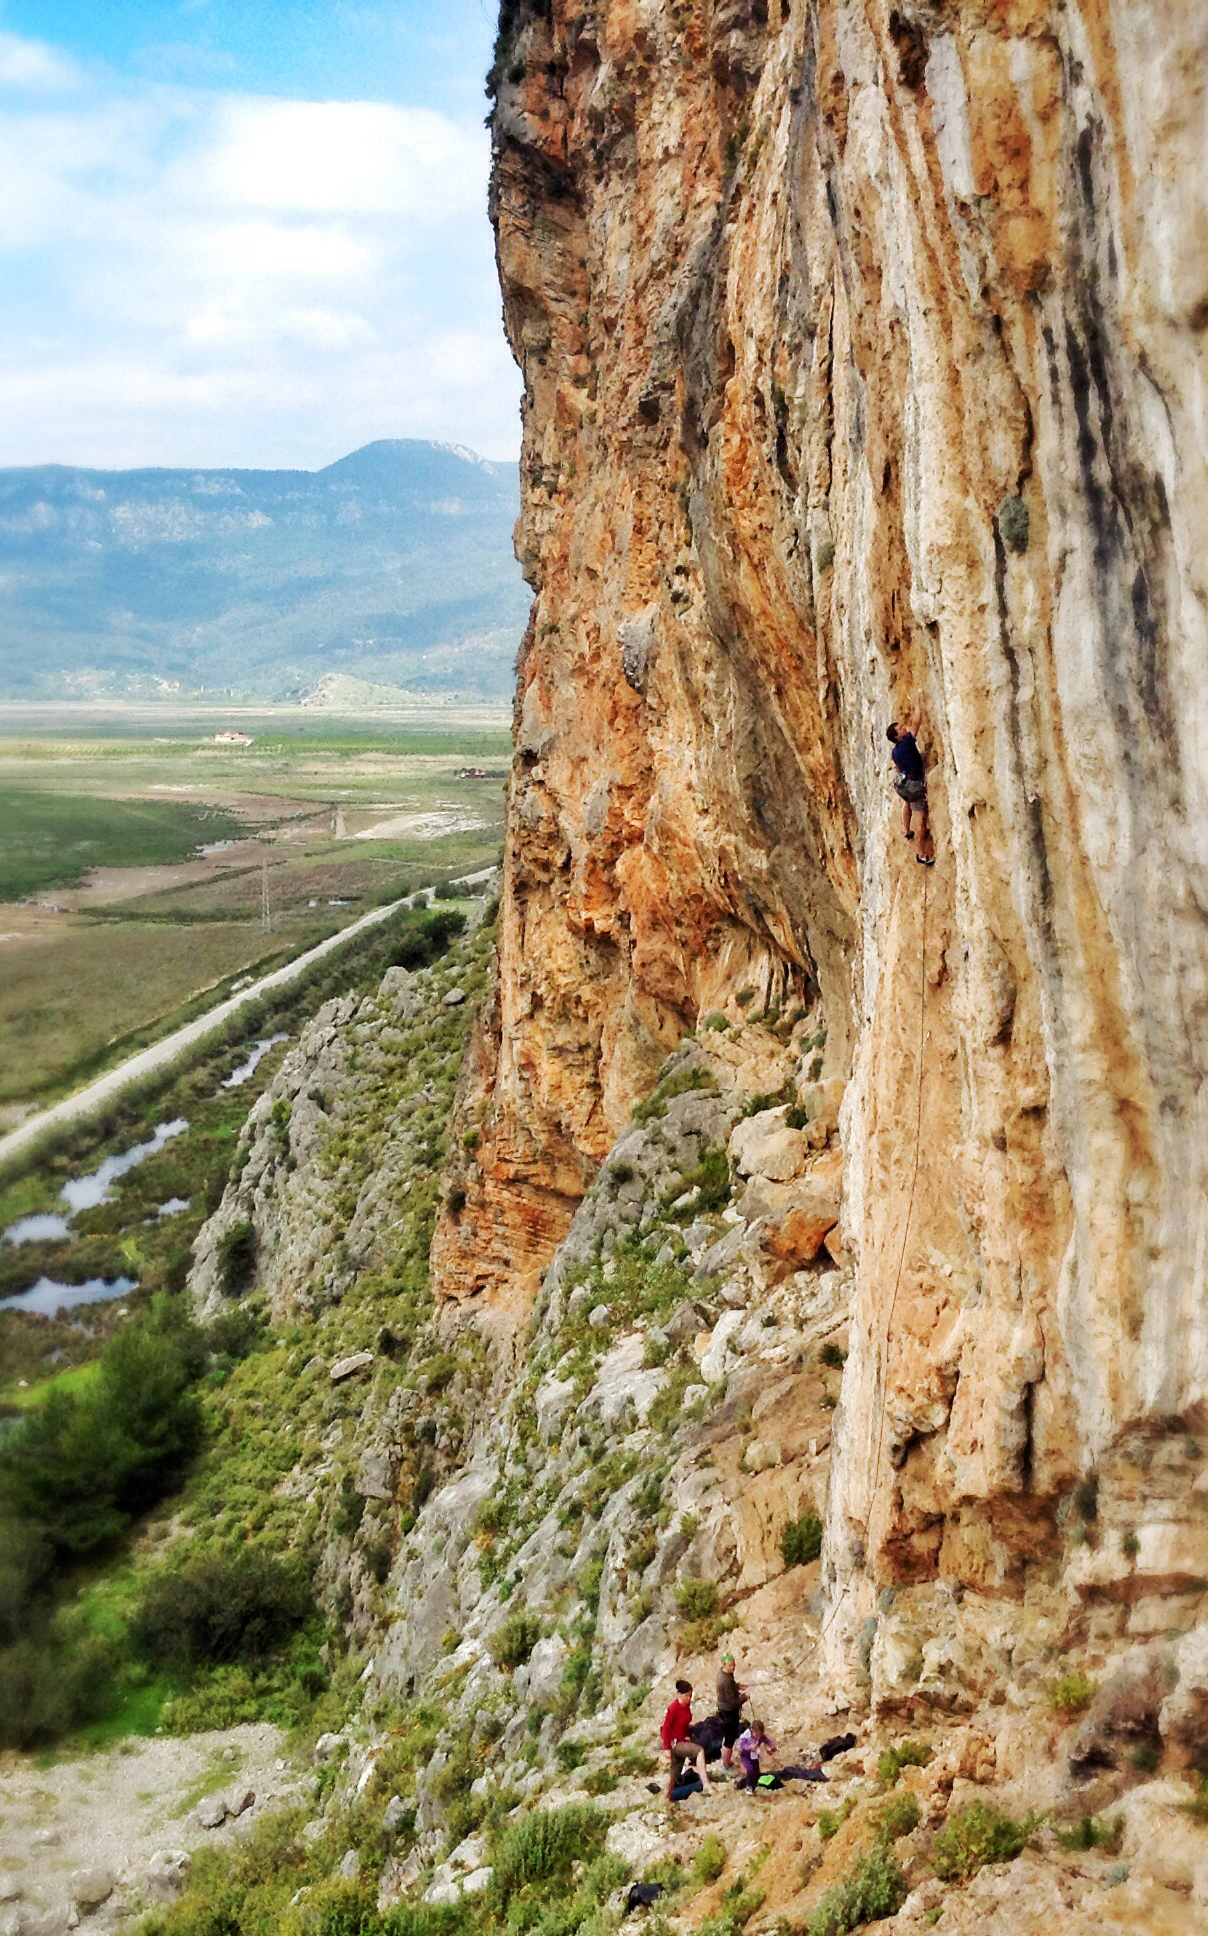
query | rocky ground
[103, 1836]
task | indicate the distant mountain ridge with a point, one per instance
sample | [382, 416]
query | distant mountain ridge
[392, 566]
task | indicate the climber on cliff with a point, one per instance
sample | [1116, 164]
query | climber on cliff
[911, 787]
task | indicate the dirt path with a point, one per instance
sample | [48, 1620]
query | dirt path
[111, 1812]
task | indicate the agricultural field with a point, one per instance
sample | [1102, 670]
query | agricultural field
[147, 867]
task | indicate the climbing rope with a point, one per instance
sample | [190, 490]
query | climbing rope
[914, 1177]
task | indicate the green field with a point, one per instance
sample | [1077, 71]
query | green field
[65, 1002]
[53, 839]
[329, 817]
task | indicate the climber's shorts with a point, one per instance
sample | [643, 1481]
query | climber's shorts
[731, 1725]
[914, 792]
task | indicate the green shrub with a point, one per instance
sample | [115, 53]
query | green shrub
[570, 1754]
[709, 1179]
[696, 1599]
[239, 1605]
[1095, 1832]
[53, 1683]
[831, 1820]
[906, 1754]
[801, 1540]
[1072, 1693]
[544, 1844]
[716, 1020]
[976, 1835]
[511, 1643]
[709, 1861]
[235, 1333]
[831, 1355]
[873, 1887]
[896, 1817]
[235, 1258]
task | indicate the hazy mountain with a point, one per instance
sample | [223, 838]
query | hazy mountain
[393, 566]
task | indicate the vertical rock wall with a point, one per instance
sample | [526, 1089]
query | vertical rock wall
[864, 362]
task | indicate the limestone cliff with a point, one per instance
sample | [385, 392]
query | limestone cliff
[863, 353]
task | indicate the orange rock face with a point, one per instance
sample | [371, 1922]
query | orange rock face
[864, 370]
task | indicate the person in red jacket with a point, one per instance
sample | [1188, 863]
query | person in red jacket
[682, 1751]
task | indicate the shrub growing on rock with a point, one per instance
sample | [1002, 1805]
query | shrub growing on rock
[1072, 1693]
[897, 1817]
[511, 1643]
[696, 1599]
[709, 1861]
[977, 1835]
[801, 1540]
[543, 1845]
[904, 1754]
[235, 1259]
[873, 1887]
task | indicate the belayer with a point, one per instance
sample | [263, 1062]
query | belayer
[910, 786]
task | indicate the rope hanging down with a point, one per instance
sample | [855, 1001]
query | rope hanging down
[914, 1177]
[893, 1302]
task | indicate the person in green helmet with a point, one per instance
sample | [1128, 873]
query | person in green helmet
[730, 1696]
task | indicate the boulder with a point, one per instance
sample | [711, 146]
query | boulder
[394, 1814]
[212, 1812]
[166, 1873]
[375, 1479]
[349, 1367]
[544, 1671]
[91, 1887]
[328, 1746]
[454, 998]
[350, 1865]
[239, 1800]
[763, 1145]
[10, 1889]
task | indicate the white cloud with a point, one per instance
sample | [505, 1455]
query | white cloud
[29, 65]
[195, 277]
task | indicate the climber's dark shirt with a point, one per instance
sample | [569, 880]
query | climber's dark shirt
[907, 758]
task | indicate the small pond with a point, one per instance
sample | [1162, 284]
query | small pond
[48, 1296]
[247, 1069]
[85, 1192]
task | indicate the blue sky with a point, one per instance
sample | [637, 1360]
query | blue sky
[246, 231]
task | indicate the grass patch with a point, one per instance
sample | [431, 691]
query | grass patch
[54, 839]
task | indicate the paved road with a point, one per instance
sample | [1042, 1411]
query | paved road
[103, 1090]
